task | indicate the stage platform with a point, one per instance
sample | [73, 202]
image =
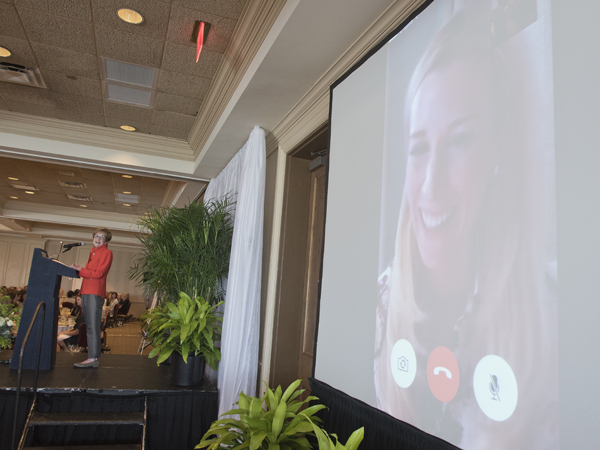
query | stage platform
[177, 416]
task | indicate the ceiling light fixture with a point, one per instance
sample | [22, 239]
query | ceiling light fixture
[4, 52]
[126, 192]
[126, 176]
[126, 204]
[127, 128]
[13, 178]
[199, 35]
[30, 192]
[13, 197]
[83, 206]
[130, 16]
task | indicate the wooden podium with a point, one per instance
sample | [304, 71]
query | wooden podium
[44, 286]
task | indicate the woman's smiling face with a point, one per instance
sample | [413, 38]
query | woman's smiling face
[450, 160]
[99, 240]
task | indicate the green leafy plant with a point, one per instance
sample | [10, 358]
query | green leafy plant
[185, 250]
[189, 327]
[10, 317]
[325, 442]
[279, 426]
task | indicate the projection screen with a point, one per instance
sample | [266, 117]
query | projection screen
[441, 283]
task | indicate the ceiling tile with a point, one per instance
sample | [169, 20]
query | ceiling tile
[77, 103]
[176, 133]
[128, 47]
[182, 24]
[21, 51]
[122, 112]
[141, 127]
[28, 94]
[226, 8]
[10, 25]
[58, 31]
[74, 9]
[155, 13]
[74, 116]
[183, 84]
[59, 82]
[174, 120]
[32, 4]
[3, 105]
[178, 104]
[181, 58]
[30, 108]
[66, 61]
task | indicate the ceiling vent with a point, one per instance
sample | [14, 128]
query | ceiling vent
[127, 198]
[24, 187]
[72, 184]
[80, 198]
[128, 83]
[67, 174]
[18, 74]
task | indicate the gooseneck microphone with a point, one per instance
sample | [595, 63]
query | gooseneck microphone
[76, 244]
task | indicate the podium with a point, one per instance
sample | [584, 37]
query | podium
[44, 285]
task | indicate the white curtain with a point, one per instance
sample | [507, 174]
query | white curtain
[244, 175]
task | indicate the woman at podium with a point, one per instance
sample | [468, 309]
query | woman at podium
[93, 291]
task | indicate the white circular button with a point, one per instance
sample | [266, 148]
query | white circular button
[495, 388]
[403, 363]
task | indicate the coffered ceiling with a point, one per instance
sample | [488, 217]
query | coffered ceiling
[265, 62]
[67, 41]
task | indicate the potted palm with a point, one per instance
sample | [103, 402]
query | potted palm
[185, 250]
[275, 421]
[193, 326]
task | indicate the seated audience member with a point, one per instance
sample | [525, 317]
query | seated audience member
[4, 291]
[73, 333]
[20, 298]
[77, 308]
[113, 302]
[12, 293]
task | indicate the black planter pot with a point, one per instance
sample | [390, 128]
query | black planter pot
[189, 374]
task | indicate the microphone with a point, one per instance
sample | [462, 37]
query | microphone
[70, 246]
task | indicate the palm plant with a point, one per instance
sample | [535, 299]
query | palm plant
[185, 250]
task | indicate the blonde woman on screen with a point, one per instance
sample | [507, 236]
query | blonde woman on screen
[468, 271]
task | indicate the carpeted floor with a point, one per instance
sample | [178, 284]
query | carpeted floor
[125, 340]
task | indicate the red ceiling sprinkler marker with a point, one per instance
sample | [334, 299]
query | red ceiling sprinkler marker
[199, 36]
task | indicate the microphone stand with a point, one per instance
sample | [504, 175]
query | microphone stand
[60, 250]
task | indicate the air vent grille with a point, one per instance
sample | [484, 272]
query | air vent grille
[79, 198]
[129, 73]
[72, 184]
[128, 94]
[127, 198]
[18, 74]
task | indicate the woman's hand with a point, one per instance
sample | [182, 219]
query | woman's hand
[75, 266]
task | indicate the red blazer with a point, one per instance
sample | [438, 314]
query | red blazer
[95, 271]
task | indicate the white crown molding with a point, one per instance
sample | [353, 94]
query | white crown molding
[69, 216]
[312, 111]
[93, 135]
[252, 28]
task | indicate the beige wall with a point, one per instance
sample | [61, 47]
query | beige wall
[118, 279]
[16, 253]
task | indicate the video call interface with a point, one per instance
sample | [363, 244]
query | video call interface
[460, 246]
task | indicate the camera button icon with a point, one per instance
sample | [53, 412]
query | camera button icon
[403, 363]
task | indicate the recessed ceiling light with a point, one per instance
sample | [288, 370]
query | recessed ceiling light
[30, 192]
[83, 206]
[126, 192]
[4, 52]
[126, 204]
[126, 176]
[130, 16]
[13, 178]
[127, 128]
[16, 198]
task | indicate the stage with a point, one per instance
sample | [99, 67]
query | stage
[177, 417]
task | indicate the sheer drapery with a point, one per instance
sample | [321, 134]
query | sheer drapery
[244, 175]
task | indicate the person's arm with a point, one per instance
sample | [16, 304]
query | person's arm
[104, 263]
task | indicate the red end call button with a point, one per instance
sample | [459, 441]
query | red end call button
[443, 376]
